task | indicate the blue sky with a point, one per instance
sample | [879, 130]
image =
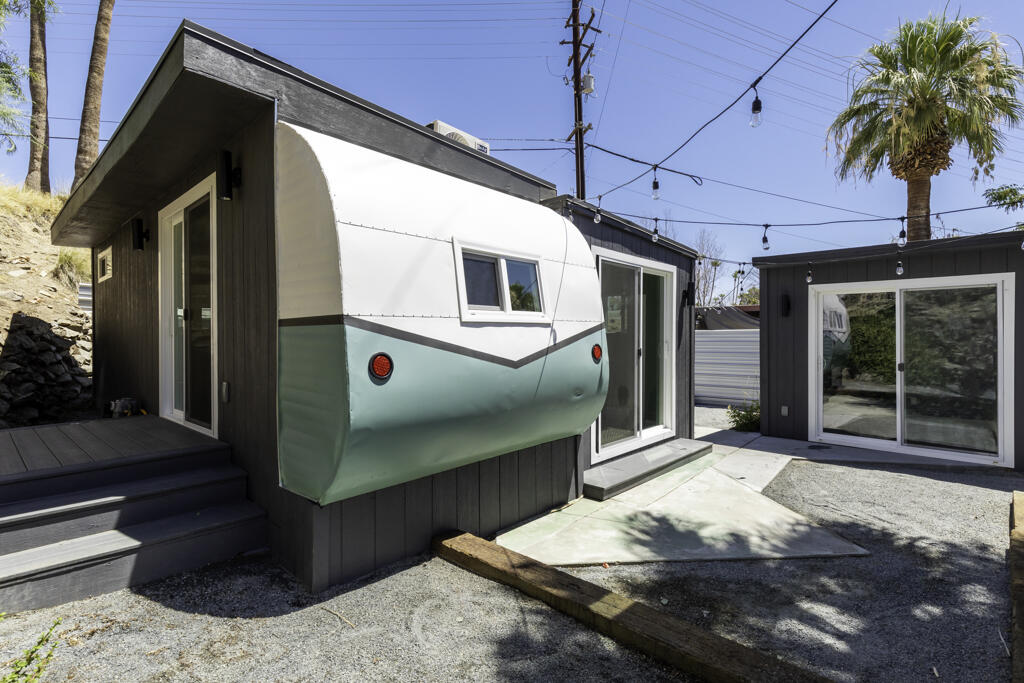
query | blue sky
[495, 69]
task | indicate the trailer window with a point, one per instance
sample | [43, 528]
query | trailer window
[523, 293]
[482, 290]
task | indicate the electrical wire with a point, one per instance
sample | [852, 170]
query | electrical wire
[731, 104]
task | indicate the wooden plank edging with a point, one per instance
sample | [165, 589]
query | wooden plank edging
[1016, 560]
[668, 639]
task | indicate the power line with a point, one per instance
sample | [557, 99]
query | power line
[750, 87]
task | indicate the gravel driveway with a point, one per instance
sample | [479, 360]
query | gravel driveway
[248, 621]
[931, 599]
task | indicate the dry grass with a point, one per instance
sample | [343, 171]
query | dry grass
[73, 266]
[17, 201]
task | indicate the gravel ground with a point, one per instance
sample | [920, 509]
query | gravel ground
[248, 621]
[710, 416]
[931, 599]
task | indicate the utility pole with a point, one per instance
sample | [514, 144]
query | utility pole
[576, 61]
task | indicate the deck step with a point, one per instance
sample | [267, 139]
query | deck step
[609, 479]
[73, 478]
[99, 563]
[50, 519]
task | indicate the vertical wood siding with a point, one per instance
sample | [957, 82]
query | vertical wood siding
[784, 342]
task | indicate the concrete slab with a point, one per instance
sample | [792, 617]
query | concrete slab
[821, 452]
[752, 468]
[621, 474]
[710, 516]
[725, 440]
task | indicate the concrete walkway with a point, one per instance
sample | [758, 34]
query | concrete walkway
[708, 509]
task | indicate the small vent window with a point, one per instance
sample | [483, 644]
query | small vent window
[104, 265]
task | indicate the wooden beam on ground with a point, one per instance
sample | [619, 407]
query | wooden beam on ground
[666, 638]
[1016, 559]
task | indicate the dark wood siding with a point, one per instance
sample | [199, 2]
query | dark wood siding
[361, 534]
[784, 337]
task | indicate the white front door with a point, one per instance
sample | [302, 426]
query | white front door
[637, 295]
[188, 302]
[918, 366]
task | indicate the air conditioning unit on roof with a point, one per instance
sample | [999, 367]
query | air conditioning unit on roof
[460, 136]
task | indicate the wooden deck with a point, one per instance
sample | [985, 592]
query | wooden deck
[48, 448]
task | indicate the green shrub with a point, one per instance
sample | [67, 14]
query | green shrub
[73, 266]
[746, 419]
[32, 663]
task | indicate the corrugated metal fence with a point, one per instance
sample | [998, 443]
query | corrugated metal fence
[727, 366]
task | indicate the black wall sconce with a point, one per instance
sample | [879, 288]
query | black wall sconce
[140, 234]
[784, 306]
[228, 177]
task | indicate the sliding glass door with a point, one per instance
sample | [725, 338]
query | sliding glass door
[914, 366]
[638, 326]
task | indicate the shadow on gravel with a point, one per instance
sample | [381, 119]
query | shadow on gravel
[932, 594]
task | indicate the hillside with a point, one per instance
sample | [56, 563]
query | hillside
[45, 338]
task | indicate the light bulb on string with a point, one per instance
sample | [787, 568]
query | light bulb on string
[810, 275]
[755, 111]
[655, 186]
[899, 268]
[902, 241]
[597, 213]
[654, 237]
[764, 239]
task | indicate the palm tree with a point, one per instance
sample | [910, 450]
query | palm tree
[89, 132]
[38, 176]
[937, 84]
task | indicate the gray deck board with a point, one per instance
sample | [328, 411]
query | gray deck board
[33, 451]
[10, 460]
[116, 439]
[97, 448]
[62, 447]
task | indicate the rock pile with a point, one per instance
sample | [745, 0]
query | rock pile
[45, 370]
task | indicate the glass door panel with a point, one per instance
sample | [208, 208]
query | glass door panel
[653, 360]
[198, 317]
[859, 364]
[178, 304]
[951, 383]
[619, 294]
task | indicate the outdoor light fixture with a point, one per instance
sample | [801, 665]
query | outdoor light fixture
[140, 235]
[902, 241]
[381, 366]
[810, 275]
[654, 237]
[655, 187]
[755, 111]
[899, 267]
[228, 177]
[764, 239]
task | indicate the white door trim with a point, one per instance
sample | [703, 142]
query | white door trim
[1005, 283]
[206, 187]
[668, 429]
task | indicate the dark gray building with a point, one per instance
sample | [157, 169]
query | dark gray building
[908, 349]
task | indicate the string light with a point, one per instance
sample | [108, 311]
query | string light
[755, 111]
[902, 241]
[764, 239]
[597, 214]
[899, 268]
[654, 237]
[810, 275]
[655, 187]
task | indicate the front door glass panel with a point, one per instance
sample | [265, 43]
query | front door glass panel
[198, 316]
[618, 293]
[653, 360]
[951, 380]
[858, 346]
[178, 304]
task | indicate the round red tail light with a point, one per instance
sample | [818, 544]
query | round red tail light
[596, 352]
[381, 366]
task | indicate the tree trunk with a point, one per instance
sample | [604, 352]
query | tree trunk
[89, 133]
[919, 195]
[38, 176]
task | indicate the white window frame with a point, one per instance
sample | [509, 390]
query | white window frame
[1005, 287]
[504, 313]
[165, 242]
[667, 430]
[105, 256]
